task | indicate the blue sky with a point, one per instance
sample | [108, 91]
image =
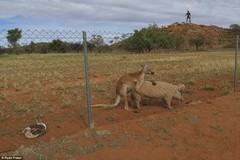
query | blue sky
[112, 15]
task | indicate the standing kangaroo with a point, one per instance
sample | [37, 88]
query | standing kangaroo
[125, 84]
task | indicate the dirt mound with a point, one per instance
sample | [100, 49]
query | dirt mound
[216, 37]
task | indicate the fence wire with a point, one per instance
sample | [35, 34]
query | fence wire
[207, 71]
[49, 69]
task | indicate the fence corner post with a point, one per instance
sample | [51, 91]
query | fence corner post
[90, 123]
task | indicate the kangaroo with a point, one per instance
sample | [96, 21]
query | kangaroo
[125, 84]
[157, 89]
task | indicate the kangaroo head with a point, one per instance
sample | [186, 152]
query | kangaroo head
[146, 69]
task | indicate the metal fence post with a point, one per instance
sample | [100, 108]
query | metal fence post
[236, 66]
[90, 124]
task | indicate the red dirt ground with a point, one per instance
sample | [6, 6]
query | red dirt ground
[209, 130]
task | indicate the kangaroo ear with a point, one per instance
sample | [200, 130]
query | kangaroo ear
[144, 66]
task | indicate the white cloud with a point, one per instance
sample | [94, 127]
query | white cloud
[119, 15]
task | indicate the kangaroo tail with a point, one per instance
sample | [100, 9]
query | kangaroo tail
[117, 101]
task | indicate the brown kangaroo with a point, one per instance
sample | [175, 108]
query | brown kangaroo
[125, 84]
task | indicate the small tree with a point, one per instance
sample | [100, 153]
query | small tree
[166, 41]
[144, 40]
[30, 48]
[234, 26]
[1, 50]
[58, 46]
[150, 39]
[13, 36]
[43, 48]
[198, 42]
[98, 42]
[76, 47]
[178, 42]
[135, 43]
[90, 47]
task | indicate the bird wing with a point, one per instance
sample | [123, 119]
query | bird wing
[38, 129]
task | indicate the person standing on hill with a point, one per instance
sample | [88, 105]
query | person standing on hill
[188, 14]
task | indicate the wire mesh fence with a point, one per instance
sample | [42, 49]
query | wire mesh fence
[41, 41]
[207, 70]
[49, 69]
